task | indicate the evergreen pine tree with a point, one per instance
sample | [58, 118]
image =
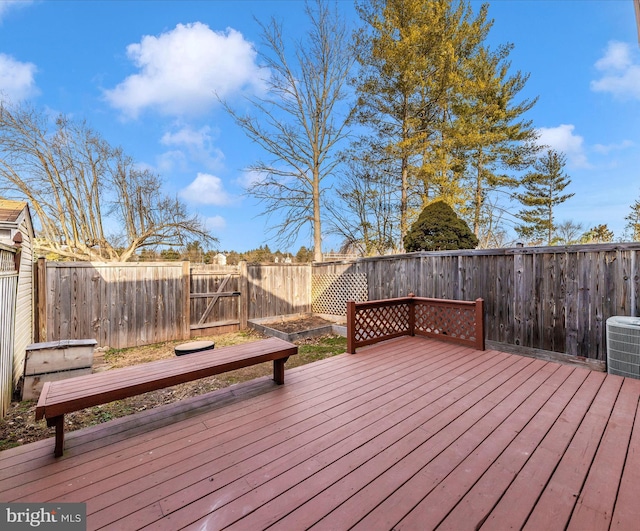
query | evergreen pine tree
[412, 56]
[633, 221]
[598, 234]
[496, 137]
[542, 193]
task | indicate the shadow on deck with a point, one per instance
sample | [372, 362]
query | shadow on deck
[410, 433]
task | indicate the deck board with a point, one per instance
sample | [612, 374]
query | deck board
[509, 504]
[451, 444]
[598, 495]
[411, 433]
[557, 502]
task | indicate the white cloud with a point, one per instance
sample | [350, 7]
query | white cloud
[17, 80]
[7, 5]
[617, 57]
[606, 149]
[193, 145]
[249, 178]
[207, 189]
[562, 138]
[182, 70]
[171, 160]
[620, 69]
[187, 137]
[215, 223]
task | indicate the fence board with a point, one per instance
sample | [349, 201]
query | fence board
[120, 305]
[560, 309]
[278, 289]
[537, 310]
[548, 306]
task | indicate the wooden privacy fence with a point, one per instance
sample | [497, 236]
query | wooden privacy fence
[130, 304]
[275, 289]
[551, 298]
[118, 304]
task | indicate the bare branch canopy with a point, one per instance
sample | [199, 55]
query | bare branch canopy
[300, 122]
[90, 199]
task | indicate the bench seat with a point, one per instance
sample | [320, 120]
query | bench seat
[64, 396]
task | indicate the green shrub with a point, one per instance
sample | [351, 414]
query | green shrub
[438, 228]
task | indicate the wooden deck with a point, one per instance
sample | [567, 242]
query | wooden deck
[411, 433]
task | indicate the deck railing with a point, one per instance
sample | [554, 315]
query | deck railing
[373, 321]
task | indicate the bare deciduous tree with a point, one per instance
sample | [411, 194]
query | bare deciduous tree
[299, 122]
[89, 199]
[365, 213]
[568, 233]
[494, 220]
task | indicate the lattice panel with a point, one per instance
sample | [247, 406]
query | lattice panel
[446, 320]
[330, 293]
[376, 323]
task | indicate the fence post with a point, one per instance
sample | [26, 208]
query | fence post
[186, 278]
[243, 304]
[351, 330]
[480, 324]
[412, 315]
[40, 324]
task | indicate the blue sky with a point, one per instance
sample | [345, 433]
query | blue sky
[144, 73]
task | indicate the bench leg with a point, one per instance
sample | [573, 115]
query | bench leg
[278, 370]
[58, 422]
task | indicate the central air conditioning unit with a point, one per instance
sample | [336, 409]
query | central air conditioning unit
[623, 346]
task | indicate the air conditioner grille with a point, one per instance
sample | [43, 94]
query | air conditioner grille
[623, 346]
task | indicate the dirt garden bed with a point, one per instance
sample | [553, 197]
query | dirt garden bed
[299, 326]
[20, 427]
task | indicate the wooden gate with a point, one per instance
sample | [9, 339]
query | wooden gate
[215, 301]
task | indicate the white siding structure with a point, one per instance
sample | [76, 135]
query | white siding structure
[8, 291]
[16, 231]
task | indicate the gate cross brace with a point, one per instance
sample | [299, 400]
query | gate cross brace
[214, 299]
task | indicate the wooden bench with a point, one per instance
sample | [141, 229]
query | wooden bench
[73, 394]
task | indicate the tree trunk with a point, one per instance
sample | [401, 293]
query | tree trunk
[478, 198]
[403, 200]
[317, 227]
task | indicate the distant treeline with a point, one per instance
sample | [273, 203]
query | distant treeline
[196, 254]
